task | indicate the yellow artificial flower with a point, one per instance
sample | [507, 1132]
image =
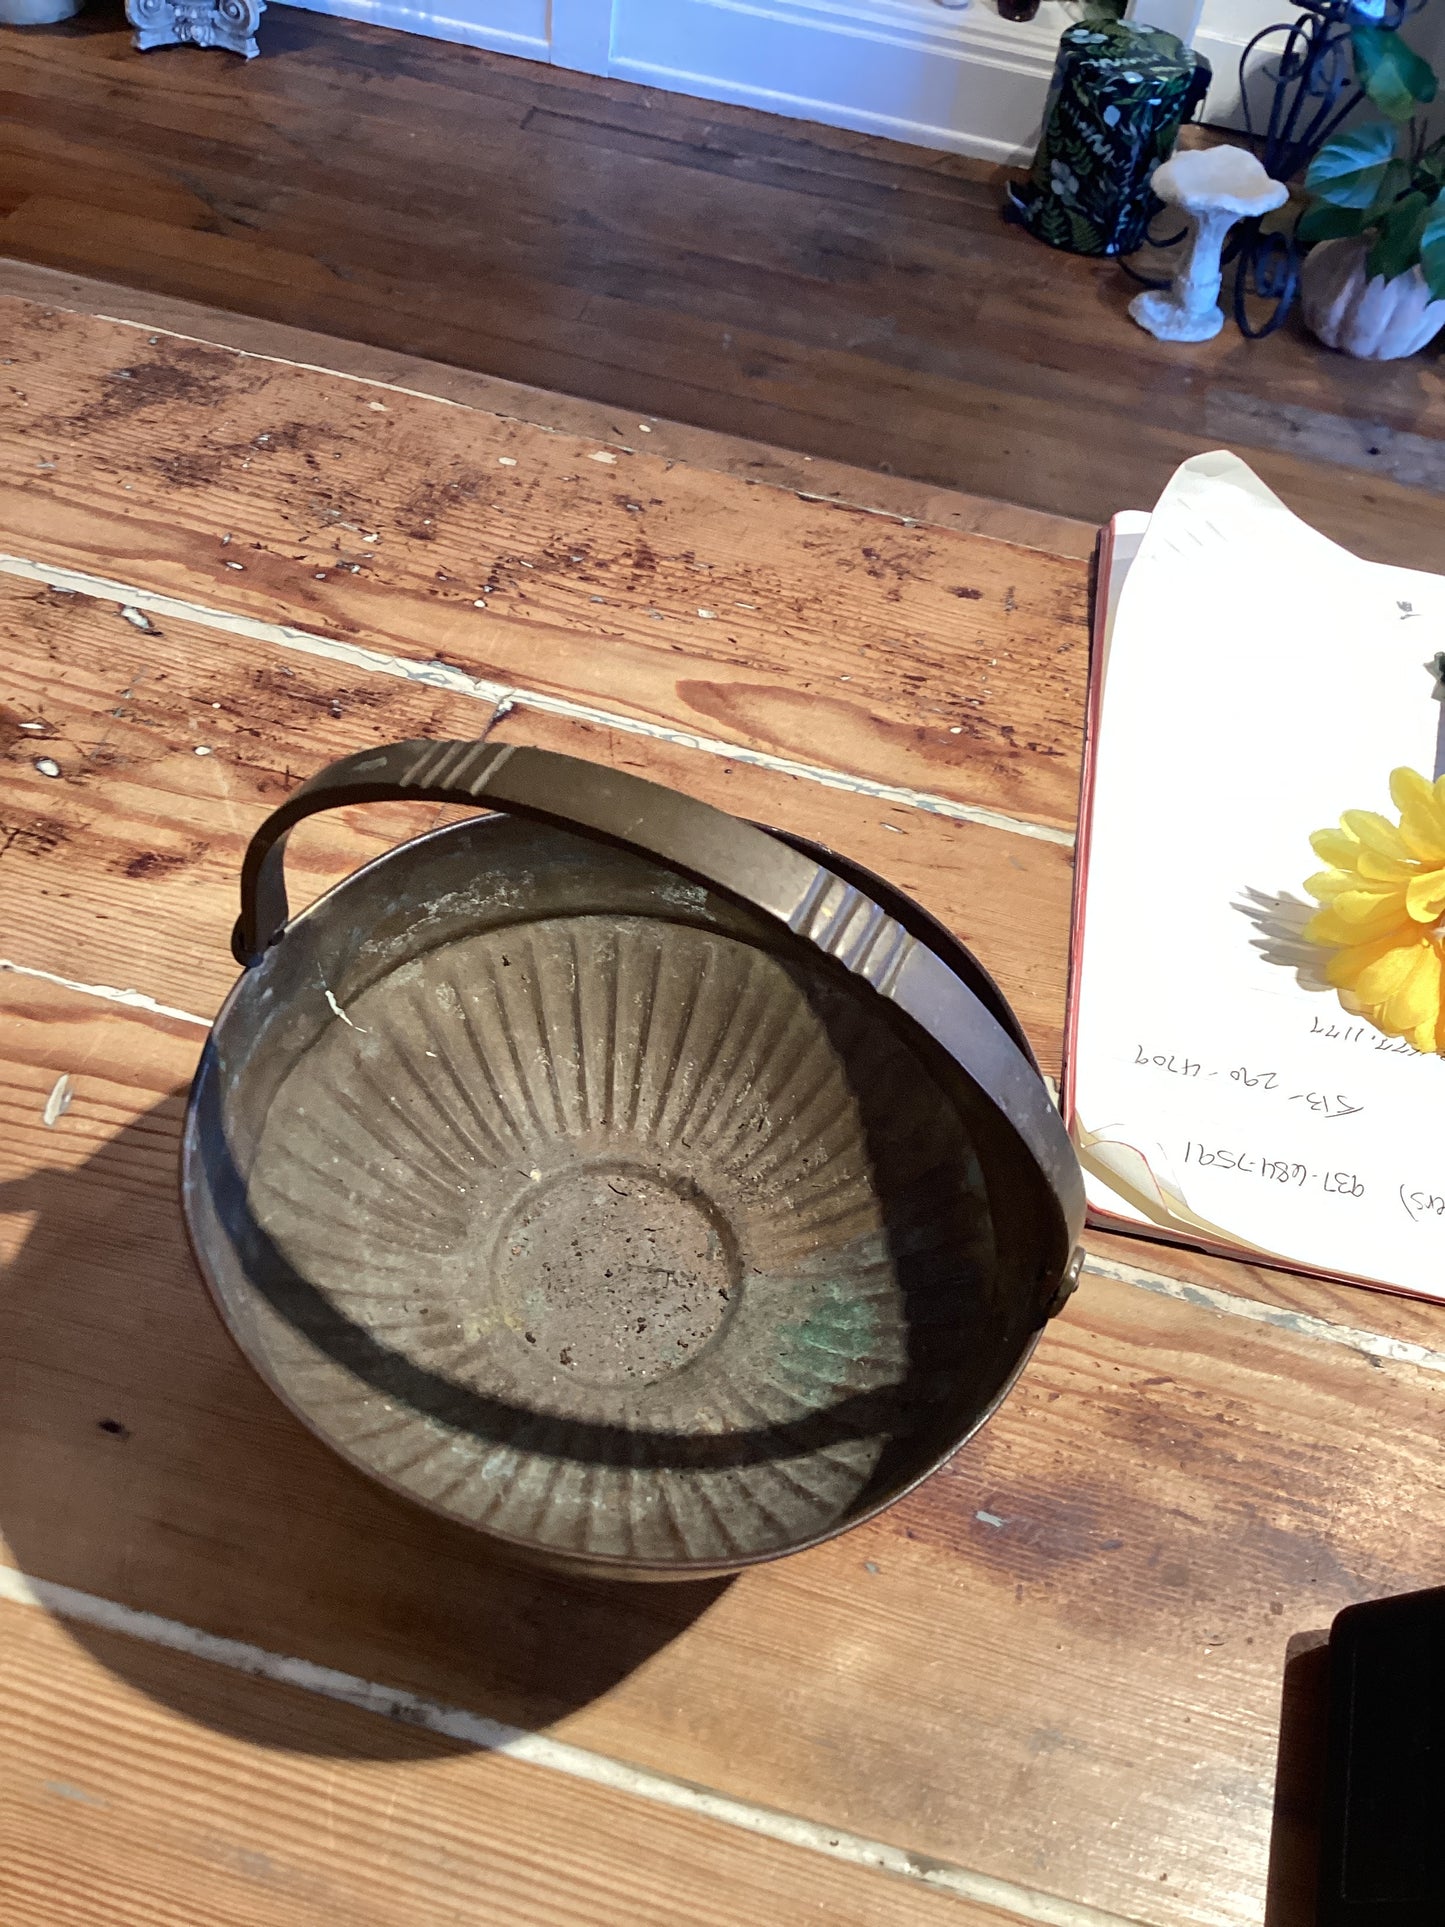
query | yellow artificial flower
[1384, 911]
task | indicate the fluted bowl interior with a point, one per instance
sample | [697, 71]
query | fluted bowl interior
[594, 1210]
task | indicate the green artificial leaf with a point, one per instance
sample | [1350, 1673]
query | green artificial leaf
[1430, 167]
[1348, 171]
[1394, 76]
[1395, 181]
[1432, 249]
[1397, 245]
[1325, 223]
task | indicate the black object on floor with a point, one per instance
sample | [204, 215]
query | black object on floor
[1382, 1852]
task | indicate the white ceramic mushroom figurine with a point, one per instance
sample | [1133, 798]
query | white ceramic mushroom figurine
[1214, 187]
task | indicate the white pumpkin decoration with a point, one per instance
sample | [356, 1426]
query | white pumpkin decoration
[1363, 314]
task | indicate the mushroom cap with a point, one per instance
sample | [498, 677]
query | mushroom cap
[1229, 178]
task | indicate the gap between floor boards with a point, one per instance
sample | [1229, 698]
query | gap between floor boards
[440, 675]
[554, 1756]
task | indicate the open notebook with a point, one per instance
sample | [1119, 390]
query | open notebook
[1250, 680]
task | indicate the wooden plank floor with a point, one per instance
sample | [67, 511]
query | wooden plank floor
[182, 1799]
[833, 293]
[1047, 1684]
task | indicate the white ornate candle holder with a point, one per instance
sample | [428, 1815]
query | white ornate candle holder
[230, 24]
[1214, 187]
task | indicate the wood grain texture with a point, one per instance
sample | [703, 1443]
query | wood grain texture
[133, 705]
[149, 1789]
[743, 613]
[847, 296]
[1059, 1662]
[699, 448]
[1065, 1649]
[122, 869]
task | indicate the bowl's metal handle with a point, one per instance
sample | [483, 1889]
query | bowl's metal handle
[717, 849]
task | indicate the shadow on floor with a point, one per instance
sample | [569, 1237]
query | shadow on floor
[145, 1463]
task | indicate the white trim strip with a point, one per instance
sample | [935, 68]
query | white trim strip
[1301, 1324]
[555, 1756]
[132, 999]
[363, 381]
[440, 675]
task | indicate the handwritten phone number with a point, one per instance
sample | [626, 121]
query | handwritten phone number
[1330, 1104]
[1334, 1184]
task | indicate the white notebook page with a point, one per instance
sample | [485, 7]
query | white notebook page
[1259, 680]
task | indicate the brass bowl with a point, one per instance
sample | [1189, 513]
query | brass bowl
[610, 1175]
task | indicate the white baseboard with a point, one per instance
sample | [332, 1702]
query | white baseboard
[967, 82]
[1003, 148]
[960, 81]
[501, 26]
[964, 81]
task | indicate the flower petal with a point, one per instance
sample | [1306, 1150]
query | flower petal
[1369, 903]
[1381, 979]
[1417, 1001]
[1384, 869]
[1408, 786]
[1329, 927]
[1425, 897]
[1325, 885]
[1422, 836]
[1422, 813]
[1349, 963]
[1337, 847]
[1375, 832]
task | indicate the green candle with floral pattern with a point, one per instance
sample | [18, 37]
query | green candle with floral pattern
[1118, 96]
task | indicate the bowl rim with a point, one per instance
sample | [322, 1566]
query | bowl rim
[194, 1192]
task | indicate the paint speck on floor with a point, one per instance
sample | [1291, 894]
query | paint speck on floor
[58, 1102]
[64, 1790]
